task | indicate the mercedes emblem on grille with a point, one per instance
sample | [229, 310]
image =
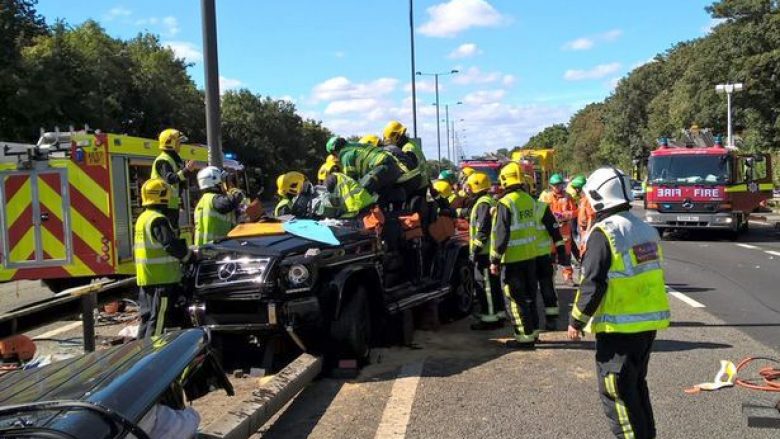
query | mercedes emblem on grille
[688, 204]
[226, 271]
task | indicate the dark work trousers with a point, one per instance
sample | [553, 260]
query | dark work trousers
[621, 363]
[545, 274]
[160, 307]
[489, 294]
[518, 281]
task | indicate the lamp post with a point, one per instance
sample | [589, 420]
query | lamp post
[438, 123]
[729, 88]
[447, 124]
[414, 77]
[213, 134]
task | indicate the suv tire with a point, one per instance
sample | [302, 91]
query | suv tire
[351, 333]
[460, 301]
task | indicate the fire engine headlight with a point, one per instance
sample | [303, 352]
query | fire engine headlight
[298, 275]
[651, 219]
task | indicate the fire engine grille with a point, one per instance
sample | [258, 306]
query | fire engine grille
[687, 208]
[239, 272]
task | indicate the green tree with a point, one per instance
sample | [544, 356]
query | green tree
[553, 136]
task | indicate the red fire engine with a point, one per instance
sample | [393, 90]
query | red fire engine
[700, 184]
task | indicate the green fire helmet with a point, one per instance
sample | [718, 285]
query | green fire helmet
[578, 182]
[448, 175]
[556, 179]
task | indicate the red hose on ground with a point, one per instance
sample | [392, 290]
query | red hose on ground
[769, 375]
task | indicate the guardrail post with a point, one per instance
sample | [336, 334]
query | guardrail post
[88, 305]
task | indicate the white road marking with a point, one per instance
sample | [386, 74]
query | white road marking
[772, 252]
[686, 299]
[60, 330]
[395, 418]
[751, 247]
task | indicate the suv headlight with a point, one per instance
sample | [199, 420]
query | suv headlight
[298, 275]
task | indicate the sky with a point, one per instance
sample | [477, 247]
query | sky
[523, 64]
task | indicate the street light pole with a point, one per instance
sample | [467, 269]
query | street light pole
[213, 134]
[447, 124]
[414, 77]
[729, 88]
[438, 122]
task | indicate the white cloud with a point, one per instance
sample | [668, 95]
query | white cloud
[712, 24]
[185, 50]
[473, 75]
[482, 97]
[228, 83]
[171, 25]
[361, 105]
[424, 86]
[508, 80]
[579, 44]
[587, 43]
[450, 18]
[147, 21]
[465, 50]
[597, 72]
[117, 12]
[341, 88]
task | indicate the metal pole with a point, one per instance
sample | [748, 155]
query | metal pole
[88, 305]
[213, 134]
[454, 151]
[414, 75]
[728, 117]
[447, 124]
[438, 124]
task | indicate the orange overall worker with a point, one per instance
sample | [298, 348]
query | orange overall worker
[564, 210]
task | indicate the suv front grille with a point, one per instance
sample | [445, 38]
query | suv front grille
[232, 272]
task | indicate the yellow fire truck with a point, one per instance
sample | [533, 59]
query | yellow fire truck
[70, 201]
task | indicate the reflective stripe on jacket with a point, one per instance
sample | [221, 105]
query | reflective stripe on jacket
[476, 241]
[153, 265]
[211, 225]
[636, 298]
[174, 201]
[353, 196]
[521, 245]
[544, 242]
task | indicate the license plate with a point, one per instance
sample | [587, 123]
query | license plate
[688, 218]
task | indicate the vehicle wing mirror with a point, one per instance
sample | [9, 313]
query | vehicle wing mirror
[758, 158]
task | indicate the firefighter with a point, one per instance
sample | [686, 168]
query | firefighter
[348, 195]
[548, 236]
[375, 169]
[513, 253]
[444, 191]
[288, 186]
[623, 301]
[574, 190]
[169, 167]
[464, 175]
[480, 223]
[395, 134]
[410, 178]
[215, 214]
[564, 209]
[159, 254]
[322, 173]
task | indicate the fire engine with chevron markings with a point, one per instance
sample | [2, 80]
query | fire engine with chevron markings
[69, 203]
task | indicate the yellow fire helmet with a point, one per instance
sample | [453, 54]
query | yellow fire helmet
[155, 191]
[325, 170]
[511, 174]
[467, 171]
[290, 183]
[393, 131]
[443, 187]
[370, 139]
[478, 182]
[171, 140]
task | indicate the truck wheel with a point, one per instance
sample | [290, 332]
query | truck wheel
[351, 333]
[461, 298]
[661, 231]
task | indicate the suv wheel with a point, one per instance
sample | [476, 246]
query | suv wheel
[351, 333]
[461, 298]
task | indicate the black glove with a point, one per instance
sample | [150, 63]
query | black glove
[563, 258]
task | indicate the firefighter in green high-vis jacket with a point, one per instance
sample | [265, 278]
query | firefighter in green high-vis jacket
[159, 254]
[169, 167]
[216, 212]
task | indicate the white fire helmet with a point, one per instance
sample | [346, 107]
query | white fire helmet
[209, 177]
[606, 188]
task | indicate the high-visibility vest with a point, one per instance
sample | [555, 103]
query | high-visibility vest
[422, 163]
[284, 202]
[153, 265]
[211, 225]
[636, 298]
[174, 201]
[543, 239]
[357, 161]
[522, 228]
[354, 197]
[473, 241]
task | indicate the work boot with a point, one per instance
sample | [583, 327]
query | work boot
[486, 326]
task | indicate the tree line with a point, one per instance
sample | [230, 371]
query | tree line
[64, 75]
[676, 90]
